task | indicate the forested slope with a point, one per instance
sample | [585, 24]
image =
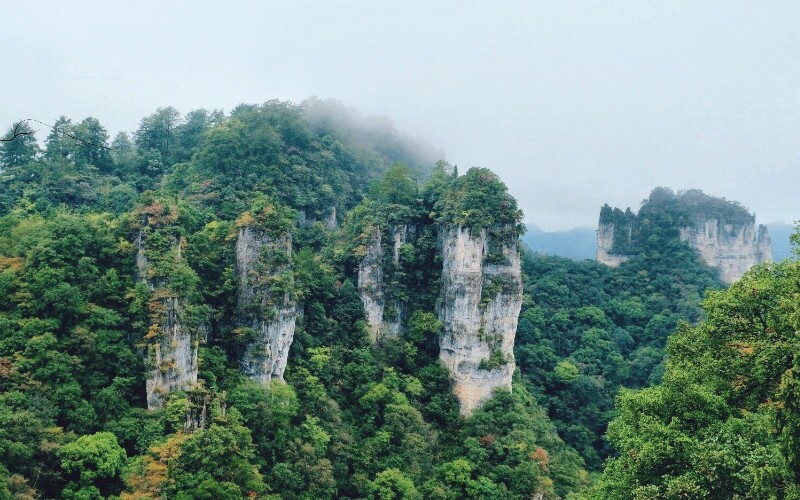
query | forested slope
[255, 304]
[127, 365]
[587, 329]
[723, 423]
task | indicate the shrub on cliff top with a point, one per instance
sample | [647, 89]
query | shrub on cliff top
[270, 216]
[478, 200]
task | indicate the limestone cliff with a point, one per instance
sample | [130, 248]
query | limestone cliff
[329, 222]
[384, 316]
[172, 344]
[731, 248]
[370, 283]
[481, 297]
[266, 307]
[764, 244]
[605, 244]
[723, 232]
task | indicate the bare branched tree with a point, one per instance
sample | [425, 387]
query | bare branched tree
[17, 131]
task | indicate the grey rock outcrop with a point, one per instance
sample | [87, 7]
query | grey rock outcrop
[330, 221]
[724, 233]
[383, 319]
[481, 297]
[370, 283]
[764, 244]
[268, 315]
[731, 248]
[172, 344]
[605, 242]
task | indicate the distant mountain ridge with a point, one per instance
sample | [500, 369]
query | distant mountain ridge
[577, 244]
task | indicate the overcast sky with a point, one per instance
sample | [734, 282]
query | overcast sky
[574, 104]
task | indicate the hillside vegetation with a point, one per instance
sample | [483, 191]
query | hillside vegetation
[126, 261]
[101, 244]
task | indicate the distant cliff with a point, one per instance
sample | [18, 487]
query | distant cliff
[606, 236]
[731, 248]
[724, 233]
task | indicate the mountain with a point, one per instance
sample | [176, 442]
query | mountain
[283, 300]
[723, 233]
[288, 301]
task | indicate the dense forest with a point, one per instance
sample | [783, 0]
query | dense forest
[354, 418]
[105, 241]
[587, 329]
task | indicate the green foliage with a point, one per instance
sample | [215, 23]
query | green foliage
[222, 451]
[217, 458]
[392, 484]
[479, 200]
[398, 186]
[18, 148]
[96, 245]
[94, 461]
[272, 218]
[423, 327]
[512, 446]
[566, 373]
[212, 490]
[495, 360]
[494, 285]
[156, 133]
[723, 421]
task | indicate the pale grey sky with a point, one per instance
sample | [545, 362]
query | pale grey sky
[573, 103]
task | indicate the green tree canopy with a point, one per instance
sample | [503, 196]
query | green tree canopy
[18, 146]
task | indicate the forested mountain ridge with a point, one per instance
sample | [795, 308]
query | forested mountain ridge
[722, 232]
[577, 243]
[281, 302]
[150, 291]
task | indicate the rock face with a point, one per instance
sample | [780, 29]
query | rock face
[764, 244]
[266, 309]
[481, 297]
[383, 319]
[605, 242]
[172, 346]
[330, 221]
[733, 249]
[723, 232]
[370, 283]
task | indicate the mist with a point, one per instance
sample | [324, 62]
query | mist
[573, 104]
